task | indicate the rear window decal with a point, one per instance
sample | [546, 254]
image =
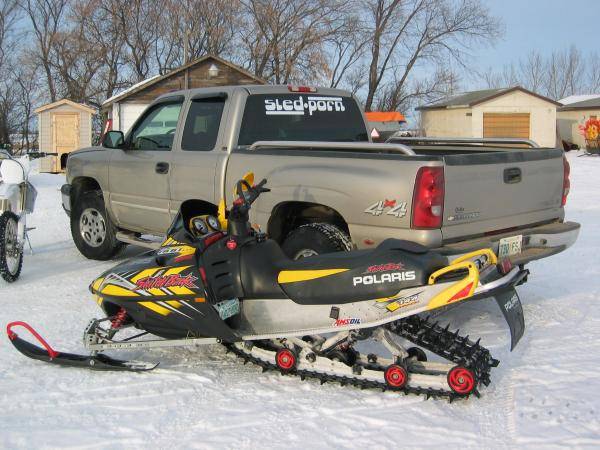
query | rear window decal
[299, 106]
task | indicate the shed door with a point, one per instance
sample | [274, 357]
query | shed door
[500, 125]
[66, 132]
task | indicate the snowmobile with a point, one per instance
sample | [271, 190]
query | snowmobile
[215, 279]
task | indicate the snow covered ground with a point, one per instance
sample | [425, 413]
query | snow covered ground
[545, 394]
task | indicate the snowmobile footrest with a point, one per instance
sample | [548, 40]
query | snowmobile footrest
[48, 354]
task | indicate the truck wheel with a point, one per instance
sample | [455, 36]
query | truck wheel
[11, 256]
[315, 239]
[93, 232]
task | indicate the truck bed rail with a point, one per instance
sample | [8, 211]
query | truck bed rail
[358, 146]
[443, 141]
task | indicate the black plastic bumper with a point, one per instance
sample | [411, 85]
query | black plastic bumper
[65, 192]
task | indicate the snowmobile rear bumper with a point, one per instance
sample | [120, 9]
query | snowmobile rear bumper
[508, 301]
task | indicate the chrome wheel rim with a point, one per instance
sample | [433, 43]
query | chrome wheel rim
[92, 227]
[11, 245]
[305, 253]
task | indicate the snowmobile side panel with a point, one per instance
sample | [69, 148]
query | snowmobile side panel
[510, 304]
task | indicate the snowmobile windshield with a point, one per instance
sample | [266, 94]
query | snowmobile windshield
[301, 117]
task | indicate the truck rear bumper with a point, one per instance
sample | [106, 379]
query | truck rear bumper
[65, 192]
[538, 242]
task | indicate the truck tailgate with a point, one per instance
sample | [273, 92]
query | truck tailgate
[494, 191]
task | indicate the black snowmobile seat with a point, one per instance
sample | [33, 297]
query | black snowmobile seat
[267, 261]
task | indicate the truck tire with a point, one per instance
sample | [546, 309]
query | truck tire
[315, 239]
[93, 232]
[10, 265]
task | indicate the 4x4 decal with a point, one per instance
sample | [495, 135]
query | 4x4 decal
[395, 208]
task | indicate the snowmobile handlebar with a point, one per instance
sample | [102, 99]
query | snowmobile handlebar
[248, 194]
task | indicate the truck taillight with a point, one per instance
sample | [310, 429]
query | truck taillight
[566, 180]
[294, 88]
[428, 198]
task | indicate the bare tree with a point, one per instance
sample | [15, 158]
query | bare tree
[105, 35]
[533, 71]
[412, 31]
[283, 38]
[46, 17]
[27, 95]
[8, 18]
[404, 96]
[137, 21]
[346, 48]
[593, 73]
[199, 27]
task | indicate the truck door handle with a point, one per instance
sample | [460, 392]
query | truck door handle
[162, 167]
[512, 175]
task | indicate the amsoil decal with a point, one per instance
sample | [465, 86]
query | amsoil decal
[393, 304]
[298, 107]
[167, 281]
[347, 321]
[393, 207]
[384, 278]
[388, 267]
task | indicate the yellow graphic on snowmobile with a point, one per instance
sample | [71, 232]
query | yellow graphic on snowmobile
[155, 281]
[293, 276]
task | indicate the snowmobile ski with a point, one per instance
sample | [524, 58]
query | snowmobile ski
[48, 354]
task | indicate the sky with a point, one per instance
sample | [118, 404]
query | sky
[542, 25]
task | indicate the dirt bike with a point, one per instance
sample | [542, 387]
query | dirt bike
[17, 199]
[217, 280]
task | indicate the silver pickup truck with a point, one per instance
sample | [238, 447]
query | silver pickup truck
[332, 189]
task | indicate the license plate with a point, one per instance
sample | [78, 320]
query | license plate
[510, 246]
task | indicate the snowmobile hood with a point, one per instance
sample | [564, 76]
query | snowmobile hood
[169, 272]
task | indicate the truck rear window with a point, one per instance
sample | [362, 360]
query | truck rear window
[301, 117]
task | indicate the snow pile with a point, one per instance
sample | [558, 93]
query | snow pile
[545, 394]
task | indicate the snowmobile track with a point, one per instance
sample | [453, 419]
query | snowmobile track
[429, 335]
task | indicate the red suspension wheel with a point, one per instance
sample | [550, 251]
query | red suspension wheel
[461, 380]
[396, 376]
[285, 359]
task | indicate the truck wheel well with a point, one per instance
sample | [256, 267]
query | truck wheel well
[288, 216]
[81, 185]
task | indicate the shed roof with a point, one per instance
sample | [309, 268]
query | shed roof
[158, 78]
[472, 98]
[65, 101]
[590, 103]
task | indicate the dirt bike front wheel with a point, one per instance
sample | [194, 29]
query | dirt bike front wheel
[11, 252]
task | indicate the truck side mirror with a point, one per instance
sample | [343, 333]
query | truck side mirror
[113, 139]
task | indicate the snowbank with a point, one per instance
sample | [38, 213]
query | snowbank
[546, 393]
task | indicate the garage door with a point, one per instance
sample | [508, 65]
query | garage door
[515, 125]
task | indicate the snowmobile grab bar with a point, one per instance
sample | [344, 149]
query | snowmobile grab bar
[12, 336]
[491, 256]
[469, 265]
[460, 290]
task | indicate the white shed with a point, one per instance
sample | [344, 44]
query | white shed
[63, 126]
[508, 112]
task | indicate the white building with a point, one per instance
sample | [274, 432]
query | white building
[507, 112]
